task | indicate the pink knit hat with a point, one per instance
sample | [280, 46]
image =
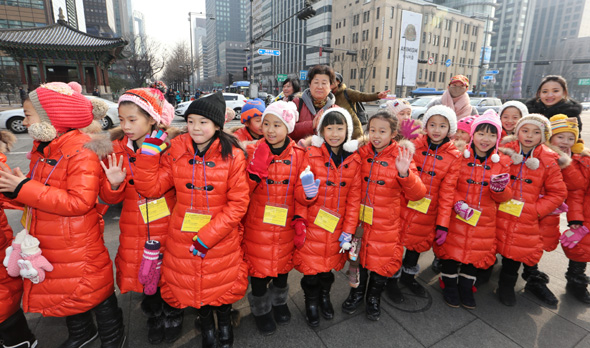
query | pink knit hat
[398, 105]
[464, 124]
[492, 119]
[286, 111]
[152, 101]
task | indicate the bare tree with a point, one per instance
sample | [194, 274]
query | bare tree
[179, 67]
[365, 63]
[145, 60]
[337, 61]
[9, 82]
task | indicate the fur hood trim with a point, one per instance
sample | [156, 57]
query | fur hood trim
[564, 160]
[234, 129]
[408, 145]
[100, 144]
[7, 140]
[317, 141]
[508, 139]
[531, 163]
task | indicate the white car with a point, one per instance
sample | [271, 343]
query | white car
[13, 119]
[232, 100]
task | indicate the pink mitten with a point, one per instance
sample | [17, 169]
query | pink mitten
[151, 252]
[441, 236]
[300, 226]
[408, 128]
[34, 267]
[151, 286]
[13, 254]
[498, 182]
[463, 210]
[563, 208]
[571, 237]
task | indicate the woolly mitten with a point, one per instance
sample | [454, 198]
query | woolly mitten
[345, 239]
[463, 210]
[441, 236]
[33, 265]
[260, 161]
[154, 144]
[498, 182]
[310, 186]
[300, 226]
[571, 237]
[408, 128]
[13, 254]
[151, 251]
[151, 286]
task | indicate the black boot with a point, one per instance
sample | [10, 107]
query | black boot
[173, 319]
[466, 283]
[393, 291]
[408, 278]
[207, 327]
[81, 330]
[537, 285]
[436, 265]
[311, 291]
[151, 305]
[506, 289]
[261, 310]
[16, 333]
[577, 281]
[356, 295]
[109, 318]
[326, 308]
[278, 298]
[225, 331]
[373, 302]
[450, 289]
[483, 276]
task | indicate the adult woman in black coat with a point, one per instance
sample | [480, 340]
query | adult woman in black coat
[552, 99]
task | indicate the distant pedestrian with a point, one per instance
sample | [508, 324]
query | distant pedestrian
[23, 95]
[96, 92]
[456, 97]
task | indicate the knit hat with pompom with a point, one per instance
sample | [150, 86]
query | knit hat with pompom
[492, 119]
[152, 101]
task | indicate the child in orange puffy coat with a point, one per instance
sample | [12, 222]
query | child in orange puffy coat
[251, 118]
[535, 171]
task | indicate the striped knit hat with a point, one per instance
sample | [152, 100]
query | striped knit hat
[560, 123]
[152, 101]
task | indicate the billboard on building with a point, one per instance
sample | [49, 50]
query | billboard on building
[410, 34]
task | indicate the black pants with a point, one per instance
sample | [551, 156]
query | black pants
[411, 258]
[324, 278]
[452, 266]
[259, 285]
[510, 267]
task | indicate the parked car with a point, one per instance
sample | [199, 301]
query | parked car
[483, 104]
[181, 108]
[232, 100]
[586, 106]
[13, 119]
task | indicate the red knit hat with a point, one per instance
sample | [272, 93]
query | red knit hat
[152, 101]
[62, 106]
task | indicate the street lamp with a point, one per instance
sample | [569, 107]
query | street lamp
[483, 51]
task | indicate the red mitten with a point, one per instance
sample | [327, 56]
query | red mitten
[300, 226]
[260, 161]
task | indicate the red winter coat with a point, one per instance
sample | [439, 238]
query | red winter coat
[381, 249]
[578, 201]
[69, 228]
[475, 244]
[269, 248]
[220, 277]
[342, 195]
[11, 289]
[418, 229]
[519, 238]
[133, 229]
[241, 133]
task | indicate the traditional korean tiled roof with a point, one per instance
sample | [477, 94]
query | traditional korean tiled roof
[56, 36]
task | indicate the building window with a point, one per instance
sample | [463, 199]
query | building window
[376, 32]
[389, 52]
[373, 89]
[374, 72]
[343, 39]
[352, 74]
[366, 16]
[391, 14]
[377, 15]
[419, 74]
[387, 74]
[390, 32]
[344, 22]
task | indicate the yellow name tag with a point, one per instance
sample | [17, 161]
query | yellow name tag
[420, 205]
[326, 219]
[194, 220]
[474, 218]
[154, 209]
[366, 214]
[512, 207]
[275, 214]
[25, 220]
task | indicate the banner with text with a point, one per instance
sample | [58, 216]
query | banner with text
[410, 34]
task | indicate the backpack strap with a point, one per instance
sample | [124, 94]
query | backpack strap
[353, 106]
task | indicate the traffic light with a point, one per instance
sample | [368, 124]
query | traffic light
[245, 73]
[306, 13]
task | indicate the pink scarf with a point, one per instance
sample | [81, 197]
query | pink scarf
[460, 105]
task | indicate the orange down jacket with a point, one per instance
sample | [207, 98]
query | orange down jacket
[62, 195]
[439, 171]
[11, 289]
[381, 249]
[475, 244]
[241, 133]
[339, 192]
[133, 229]
[269, 248]
[578, 201]
[519, 238]
[221, 277]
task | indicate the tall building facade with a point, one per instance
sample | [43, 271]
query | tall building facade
[123, 10]
[100, 18]
[446, 38]
[199, 47]
[73, 10]
[226, 31]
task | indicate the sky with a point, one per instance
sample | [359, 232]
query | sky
[167, 20]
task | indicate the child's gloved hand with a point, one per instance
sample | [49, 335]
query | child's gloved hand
[463, 210]
[310, 186]
[441, 236]
[563, 208]
[260, 161]
[300, 226]
[345, 239]
[154, 144]
[571, 237]
[498, 182]
[198, 248]
[408, 128]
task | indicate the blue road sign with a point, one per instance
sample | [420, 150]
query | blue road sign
[492, 72]
[448, 62]
[266, 52]
[302, 75]
[488, 77]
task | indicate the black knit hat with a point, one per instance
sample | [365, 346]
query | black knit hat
[211, 107]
